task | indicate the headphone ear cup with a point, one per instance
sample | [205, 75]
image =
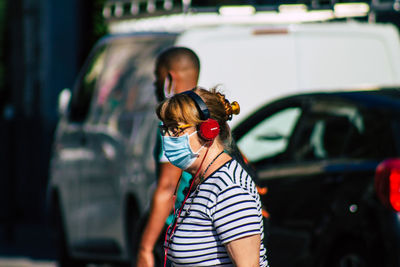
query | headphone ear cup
[209, 129]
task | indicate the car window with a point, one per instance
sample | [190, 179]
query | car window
[329, 130]
[323, 129]
[378, 140]
[270, 136]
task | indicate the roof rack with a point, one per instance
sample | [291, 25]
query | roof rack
[122, 9]
[136, 9]
[177, 15]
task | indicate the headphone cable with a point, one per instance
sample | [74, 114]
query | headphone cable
[167, 241]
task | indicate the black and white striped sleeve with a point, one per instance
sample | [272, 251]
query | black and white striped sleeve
[235, 214]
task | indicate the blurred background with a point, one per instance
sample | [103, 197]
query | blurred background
[43, 44]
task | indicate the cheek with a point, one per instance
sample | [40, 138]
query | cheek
[194, 142]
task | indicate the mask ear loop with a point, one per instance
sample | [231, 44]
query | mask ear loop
[168, 86]
[167, 241]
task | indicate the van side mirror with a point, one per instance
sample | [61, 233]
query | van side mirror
[63, 101]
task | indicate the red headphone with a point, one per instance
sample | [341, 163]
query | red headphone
[209, 129]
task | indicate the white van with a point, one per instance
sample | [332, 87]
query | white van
[102, 172]
[259, 63]
[257, 59]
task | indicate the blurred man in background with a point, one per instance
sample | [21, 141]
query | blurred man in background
[176, 70]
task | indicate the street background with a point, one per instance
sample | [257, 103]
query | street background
[43, 45]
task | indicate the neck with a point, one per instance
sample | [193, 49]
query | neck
[214, 158]
[211, 166]
[183, 86]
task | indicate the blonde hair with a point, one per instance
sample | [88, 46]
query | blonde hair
[182, 108]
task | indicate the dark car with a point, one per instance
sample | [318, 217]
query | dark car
[331, 165]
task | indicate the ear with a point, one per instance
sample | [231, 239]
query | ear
[173, 75]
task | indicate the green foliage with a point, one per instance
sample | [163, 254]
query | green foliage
[99, 24]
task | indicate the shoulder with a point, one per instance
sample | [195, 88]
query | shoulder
[223, 177]
[229, 179]
[229, 175]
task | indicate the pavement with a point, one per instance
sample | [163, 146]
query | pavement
[29, 245]
[21, 262]
[26, 245]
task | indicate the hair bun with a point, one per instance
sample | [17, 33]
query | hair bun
[235, 108]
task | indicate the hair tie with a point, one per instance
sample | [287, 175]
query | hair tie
[230, 108]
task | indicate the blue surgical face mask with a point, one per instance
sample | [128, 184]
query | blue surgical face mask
[178, 150]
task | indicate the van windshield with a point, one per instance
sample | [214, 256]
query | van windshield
[118, 75]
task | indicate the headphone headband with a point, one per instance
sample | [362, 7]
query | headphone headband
[201, 106]
[209, 129]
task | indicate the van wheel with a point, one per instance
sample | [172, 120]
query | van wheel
[63, 258]
[353, 254]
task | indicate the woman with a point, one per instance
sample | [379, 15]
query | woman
[220, 221]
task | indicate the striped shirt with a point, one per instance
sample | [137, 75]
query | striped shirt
[225, 207]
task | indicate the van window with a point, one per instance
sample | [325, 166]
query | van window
[83, 92]
[126, 85]
[119, 79]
